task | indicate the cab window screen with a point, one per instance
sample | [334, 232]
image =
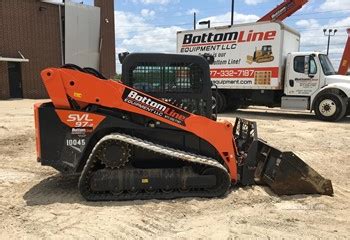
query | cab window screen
[173, 78]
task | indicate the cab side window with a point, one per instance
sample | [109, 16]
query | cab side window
[299, 64]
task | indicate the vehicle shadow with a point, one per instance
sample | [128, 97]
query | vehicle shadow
[64, 189]
[256, 114]
[54, 189]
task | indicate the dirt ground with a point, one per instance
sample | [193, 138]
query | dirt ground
[36, 202]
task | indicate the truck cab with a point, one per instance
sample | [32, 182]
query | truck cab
[311, 83]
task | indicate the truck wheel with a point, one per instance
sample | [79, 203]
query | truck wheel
[223, 105]
[217, 102]
[220, 102]
[330, 107]
[214, 103]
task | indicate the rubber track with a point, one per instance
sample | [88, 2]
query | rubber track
[84, 181]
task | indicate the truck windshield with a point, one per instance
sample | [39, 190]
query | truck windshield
[326, 64]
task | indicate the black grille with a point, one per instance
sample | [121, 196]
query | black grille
[163, 79]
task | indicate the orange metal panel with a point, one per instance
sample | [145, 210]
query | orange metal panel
[87, 89]
[284, 10]
[37, 130]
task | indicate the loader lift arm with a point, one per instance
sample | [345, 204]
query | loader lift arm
[283, 10]
[345, 62]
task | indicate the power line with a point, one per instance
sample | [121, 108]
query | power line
[293, 16]
[319, 45]
[310, 35]
[226, 23]
[171, 38]
[321, 12]
[152, 26]
[304, 33]
[320, 28]
[318, 18]
[302, 45]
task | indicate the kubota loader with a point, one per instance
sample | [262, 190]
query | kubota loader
[127, 144]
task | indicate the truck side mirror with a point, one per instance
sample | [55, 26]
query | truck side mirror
[306, 65]
[209, 57]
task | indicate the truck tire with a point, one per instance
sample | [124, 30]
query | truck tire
[220, 102]
[223, 102]
[330, 107]
[214, 103]
[217, 102]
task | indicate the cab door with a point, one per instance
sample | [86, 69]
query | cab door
[303, 76]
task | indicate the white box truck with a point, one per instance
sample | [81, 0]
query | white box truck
[260, 64]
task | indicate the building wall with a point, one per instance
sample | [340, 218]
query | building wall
[32, 27]
[4, 83]
[107, 56]
[35, 33]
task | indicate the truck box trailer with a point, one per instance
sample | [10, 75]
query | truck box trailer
[260, 64]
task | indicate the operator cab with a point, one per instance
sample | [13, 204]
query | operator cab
[182, 80]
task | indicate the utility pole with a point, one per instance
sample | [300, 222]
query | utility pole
[232, 11]
[329, 34]
[194, 20]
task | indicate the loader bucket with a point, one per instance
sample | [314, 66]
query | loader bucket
[284, 172]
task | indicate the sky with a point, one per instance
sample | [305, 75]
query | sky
[151, 25]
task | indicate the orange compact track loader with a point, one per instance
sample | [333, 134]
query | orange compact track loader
[154, 135]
